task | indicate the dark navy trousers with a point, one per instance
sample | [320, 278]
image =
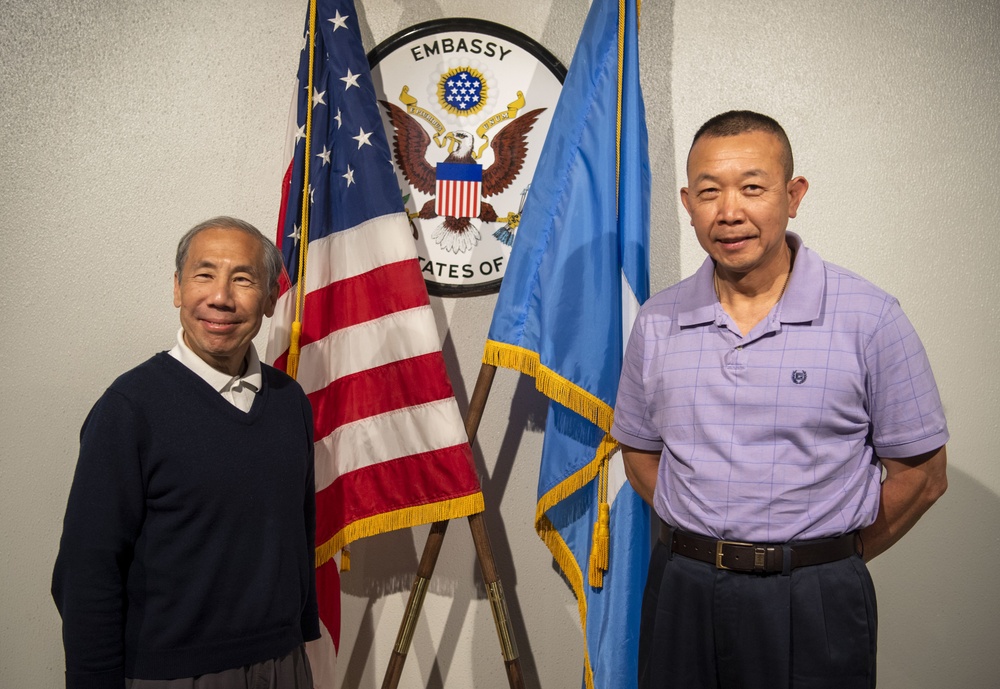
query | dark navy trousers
[704, 628]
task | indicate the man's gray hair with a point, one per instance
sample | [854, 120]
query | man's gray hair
[273, 262]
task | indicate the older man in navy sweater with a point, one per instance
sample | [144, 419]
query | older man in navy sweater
[186, 557]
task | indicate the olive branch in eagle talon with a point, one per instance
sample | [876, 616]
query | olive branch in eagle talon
[509, 146]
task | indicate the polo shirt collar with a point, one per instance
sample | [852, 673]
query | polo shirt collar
[697, 303]
[803, 298]
[801, 302]
[219, 381]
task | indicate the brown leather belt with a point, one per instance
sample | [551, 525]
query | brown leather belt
[760, 558]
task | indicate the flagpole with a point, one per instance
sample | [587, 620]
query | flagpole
[487, 565]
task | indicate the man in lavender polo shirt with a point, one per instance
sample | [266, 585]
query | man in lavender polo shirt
[760, 402]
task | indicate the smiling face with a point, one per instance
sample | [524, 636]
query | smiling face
[223, 296]
[740, 202]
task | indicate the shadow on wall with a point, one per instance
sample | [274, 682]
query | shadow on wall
[939, 612]
[386, 564]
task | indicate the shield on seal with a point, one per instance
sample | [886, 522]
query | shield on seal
[458, 189]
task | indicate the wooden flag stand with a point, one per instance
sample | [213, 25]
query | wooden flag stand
[484, 553]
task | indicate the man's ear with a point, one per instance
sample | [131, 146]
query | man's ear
[272, 301]
[177, 290]
[797, 188]
[686, 200]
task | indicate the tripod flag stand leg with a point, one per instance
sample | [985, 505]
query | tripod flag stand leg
[487, 565]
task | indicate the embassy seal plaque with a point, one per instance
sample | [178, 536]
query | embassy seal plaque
[466, 105]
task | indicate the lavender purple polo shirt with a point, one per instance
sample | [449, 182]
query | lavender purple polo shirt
[774, 437]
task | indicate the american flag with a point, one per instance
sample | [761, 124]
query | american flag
[391, 449]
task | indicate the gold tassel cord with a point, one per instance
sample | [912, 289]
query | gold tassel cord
[600, 548]
[601, 544]
[292, 367]
[587, 405]
[618, 117]
[560, 550]
[345, 559]
[574, 482]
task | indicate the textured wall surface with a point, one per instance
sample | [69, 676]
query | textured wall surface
[124, 123]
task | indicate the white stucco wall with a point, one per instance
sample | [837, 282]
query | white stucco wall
[124, 123]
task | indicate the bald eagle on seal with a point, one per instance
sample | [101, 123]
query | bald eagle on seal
[410, 144]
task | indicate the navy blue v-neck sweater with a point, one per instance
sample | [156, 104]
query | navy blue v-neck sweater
[187, 545]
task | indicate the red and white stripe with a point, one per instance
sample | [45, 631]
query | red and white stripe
[388, 431]
[457, 198]
[371, 364]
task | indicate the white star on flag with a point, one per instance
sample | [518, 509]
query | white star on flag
[362, 138]
[325, 155]
[318, 97]
[349, 176]
[339, 122]
[339, 21]
[351, 79]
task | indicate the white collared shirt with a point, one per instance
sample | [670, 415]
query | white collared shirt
[239, 390]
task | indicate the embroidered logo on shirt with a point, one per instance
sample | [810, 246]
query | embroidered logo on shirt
[798, 377]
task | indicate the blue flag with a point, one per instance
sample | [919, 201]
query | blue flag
[578, 270]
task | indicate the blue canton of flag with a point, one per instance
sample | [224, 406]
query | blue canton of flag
[347, 156]
[463, 91]
[577, 273]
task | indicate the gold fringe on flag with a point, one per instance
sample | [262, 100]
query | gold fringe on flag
[571, 569]
[399, 519]
[550, 383]
[558, 547]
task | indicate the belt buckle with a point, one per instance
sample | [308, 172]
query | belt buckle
[718, 552]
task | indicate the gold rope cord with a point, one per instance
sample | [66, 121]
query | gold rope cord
[292, 367]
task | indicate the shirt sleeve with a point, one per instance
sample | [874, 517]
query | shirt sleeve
[632, 425]
[310, 613]
[104, 513]
[905, 407]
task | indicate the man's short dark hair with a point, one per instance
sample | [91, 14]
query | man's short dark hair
[273, 261]
[737, 122]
